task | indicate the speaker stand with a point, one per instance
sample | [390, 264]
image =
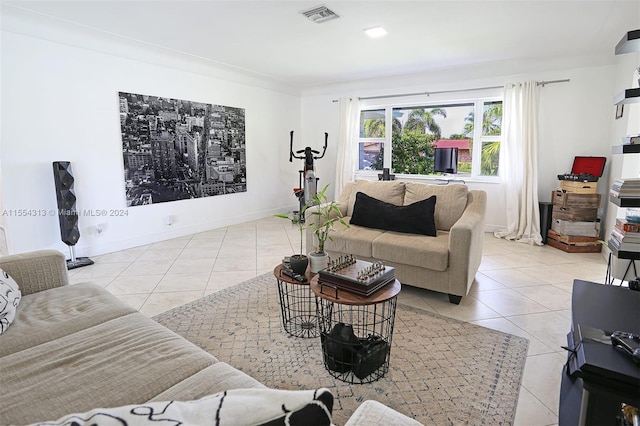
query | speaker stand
[77, 262]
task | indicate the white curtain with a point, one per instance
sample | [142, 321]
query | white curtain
[349, 120]
[519, 163]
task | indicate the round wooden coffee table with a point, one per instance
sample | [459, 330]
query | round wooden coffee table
[367, 320]
[297, 304]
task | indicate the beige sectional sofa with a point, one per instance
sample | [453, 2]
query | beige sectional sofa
[446, 263]
[73, 348]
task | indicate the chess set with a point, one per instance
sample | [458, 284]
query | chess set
[356, 276]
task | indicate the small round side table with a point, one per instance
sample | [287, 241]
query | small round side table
[297, 304]
[366, 358]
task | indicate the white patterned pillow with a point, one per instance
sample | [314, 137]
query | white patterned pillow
[9, 298]
[236, 407]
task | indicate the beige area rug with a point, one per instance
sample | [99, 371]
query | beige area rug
[442, 371]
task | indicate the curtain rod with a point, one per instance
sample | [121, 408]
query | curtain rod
[540, 83]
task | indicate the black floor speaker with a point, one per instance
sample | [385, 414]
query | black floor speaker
[67, 213]
[546, 210]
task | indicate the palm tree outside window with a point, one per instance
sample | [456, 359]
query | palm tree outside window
[417, 130]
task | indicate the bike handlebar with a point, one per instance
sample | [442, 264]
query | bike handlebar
[291, 147]
[292, 155]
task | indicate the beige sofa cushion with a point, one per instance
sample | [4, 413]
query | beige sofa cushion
[216, 378]
[37, 270]
[388, 191]
[451, 200]
[127, 360]
[411, 249]
[48, 315]
[345, 194]
[355, 240]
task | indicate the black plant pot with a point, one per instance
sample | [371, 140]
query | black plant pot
[299, 263]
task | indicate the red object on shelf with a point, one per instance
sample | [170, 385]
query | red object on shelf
[593, 166]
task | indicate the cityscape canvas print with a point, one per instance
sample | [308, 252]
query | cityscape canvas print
[175, 149]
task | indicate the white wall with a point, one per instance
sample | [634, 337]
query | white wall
[60, 103]
[574, 118]
[319, 116]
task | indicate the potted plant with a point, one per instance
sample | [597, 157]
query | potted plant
[322, 219]
[298, 262]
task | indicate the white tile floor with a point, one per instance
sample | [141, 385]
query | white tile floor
[520, 289]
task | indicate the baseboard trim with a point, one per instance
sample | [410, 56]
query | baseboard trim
[176, 232]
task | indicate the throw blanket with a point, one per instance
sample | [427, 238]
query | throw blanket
[236, 407]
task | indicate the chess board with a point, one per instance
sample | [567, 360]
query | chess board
[350, 274]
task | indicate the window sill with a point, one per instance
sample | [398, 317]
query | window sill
[373, 175]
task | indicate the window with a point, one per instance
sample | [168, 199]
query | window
[411, 134]
[491, 135]
[372, 137]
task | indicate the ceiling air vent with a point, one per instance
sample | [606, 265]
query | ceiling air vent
[320, 14]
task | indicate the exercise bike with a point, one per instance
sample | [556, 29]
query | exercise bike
[308, 182]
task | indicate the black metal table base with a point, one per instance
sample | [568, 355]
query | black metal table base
[298, 309]
[610, 279]
[366, 360]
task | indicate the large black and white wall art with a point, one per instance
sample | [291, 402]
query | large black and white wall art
[174, 149]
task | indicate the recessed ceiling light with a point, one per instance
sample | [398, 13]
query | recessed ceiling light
[376, 32]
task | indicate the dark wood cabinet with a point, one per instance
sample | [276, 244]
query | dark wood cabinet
[597, 378]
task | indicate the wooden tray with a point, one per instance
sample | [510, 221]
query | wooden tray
[575, 214]
[573, 244]
[569, 227]
[579, 187]
[572, 199]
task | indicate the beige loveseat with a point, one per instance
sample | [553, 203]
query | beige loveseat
[446, 263]
[73, 348]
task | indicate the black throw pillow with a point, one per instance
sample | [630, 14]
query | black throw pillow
[416, 218]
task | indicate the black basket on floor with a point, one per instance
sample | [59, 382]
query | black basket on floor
[356, 340]
[346, 355]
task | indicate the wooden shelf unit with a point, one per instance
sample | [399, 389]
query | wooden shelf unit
[625, 149]
[628, 96]
[625, 202]
[623, 254]
[630, 42]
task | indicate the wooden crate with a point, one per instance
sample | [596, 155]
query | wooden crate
[583, 229]
[578, 187]
[575, 214]
[571, 199]
[573, 244]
